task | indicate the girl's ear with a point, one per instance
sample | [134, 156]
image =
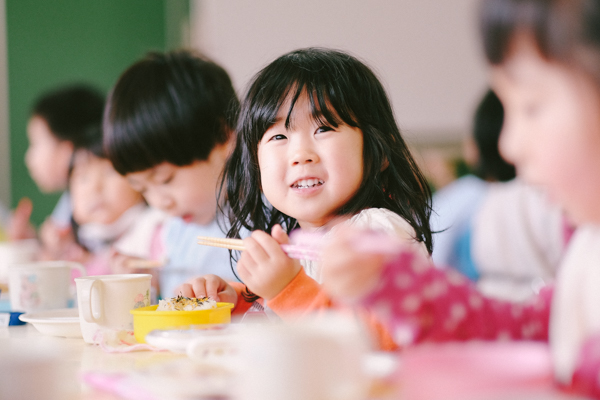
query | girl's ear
[384, 165]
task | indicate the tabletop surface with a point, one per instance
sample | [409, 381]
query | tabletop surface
[76, 359]
[85, 371]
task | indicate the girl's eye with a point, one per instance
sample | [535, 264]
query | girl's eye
[168, 180]
[323, 129]
[277, 137]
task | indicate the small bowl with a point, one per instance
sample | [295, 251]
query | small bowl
[146, 319]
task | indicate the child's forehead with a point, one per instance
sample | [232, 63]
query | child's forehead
[38, 128]
[304, 108]
[152, 174]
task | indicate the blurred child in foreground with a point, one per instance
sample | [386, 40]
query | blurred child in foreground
[545, 59]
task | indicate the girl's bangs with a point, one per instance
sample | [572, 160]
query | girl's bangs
[330, 94]
[326, 107]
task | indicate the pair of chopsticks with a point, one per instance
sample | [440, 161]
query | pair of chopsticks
[300, 252]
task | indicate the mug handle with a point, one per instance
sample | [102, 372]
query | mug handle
[86, 300]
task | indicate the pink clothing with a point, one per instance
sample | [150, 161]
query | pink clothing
[420, 303]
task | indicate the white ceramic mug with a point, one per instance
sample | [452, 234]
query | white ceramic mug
[17, 252]
[41, 285]
[321, 359]
[105, 301]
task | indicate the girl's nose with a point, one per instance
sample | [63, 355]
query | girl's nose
[303, 155]
[161, 201]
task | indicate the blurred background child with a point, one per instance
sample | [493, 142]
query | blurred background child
[493, 228]
[456, 203]
[108, 215]
[545, 68]
[61, 121]
[168, 124]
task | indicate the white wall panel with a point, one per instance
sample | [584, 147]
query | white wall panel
[426, 52]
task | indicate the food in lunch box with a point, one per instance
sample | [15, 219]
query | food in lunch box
[181, 303]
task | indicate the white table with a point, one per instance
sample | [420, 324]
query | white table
[76, 358]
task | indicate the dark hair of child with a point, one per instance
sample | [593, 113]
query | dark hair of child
[566, 31]
[487, 125]
[341, 90]
[70, 111]
[168, 107]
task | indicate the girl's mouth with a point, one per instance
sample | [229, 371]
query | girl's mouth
[307, 183]
[187, 218]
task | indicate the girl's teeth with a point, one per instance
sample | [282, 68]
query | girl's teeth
[306, 183]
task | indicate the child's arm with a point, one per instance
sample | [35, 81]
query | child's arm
[297, 295]
[425, 303]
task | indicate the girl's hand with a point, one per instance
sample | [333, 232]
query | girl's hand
[348, 272]
[209, 286]
[263, 266]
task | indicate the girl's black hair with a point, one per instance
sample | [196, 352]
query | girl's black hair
[168, 107]
[567, 31]
[72, 112]
[341, 90]
[487, 125]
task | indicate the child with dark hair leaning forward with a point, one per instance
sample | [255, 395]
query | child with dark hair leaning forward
[545, 60]
[167, 127]
[318, 148]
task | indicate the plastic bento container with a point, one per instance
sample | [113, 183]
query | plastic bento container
[146, 319]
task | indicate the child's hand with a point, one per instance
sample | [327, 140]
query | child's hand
[209, 286]
[123, 264]
[263, 266]
[58, 243]
[19, 225]
[349, 272]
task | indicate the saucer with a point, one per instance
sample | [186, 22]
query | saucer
[62, 322]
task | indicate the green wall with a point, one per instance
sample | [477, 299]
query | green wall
[61, 41]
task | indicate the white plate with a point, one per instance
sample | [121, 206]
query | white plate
[61, 322]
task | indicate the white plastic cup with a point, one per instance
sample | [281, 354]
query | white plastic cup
[105, 301]
[41, 285]
[16, 252]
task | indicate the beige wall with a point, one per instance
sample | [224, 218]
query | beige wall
[425, 51]
[4, 141]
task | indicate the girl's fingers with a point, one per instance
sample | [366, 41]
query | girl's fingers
[185, 290]
[199, 287]
[279, 235]
[213, 286]
[270, 247]
[255, 249]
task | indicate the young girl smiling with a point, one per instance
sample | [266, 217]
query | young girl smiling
[317, 148]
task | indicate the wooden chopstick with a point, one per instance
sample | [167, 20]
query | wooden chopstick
[293, 251]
